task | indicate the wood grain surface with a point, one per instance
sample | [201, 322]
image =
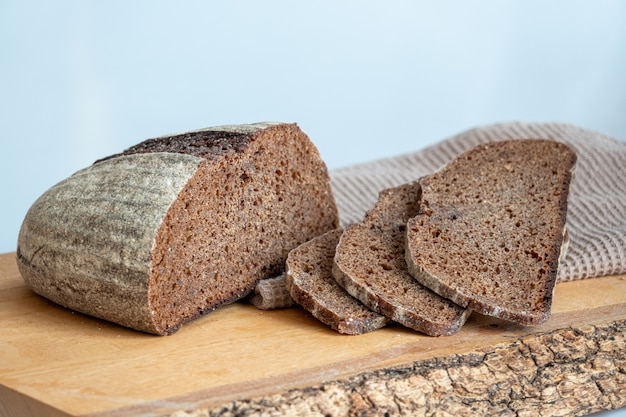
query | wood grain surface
[243, 361]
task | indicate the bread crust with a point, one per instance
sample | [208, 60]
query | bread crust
[86, 242]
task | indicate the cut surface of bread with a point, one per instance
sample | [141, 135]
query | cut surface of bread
[178, 225]
[369, 263]
[311, 284]
[490, 228]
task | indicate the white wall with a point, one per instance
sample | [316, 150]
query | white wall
[83, 79]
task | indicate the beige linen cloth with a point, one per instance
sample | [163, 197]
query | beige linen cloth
[596, 217]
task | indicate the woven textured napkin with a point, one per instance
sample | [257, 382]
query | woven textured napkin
[271, 293]
[596, 218]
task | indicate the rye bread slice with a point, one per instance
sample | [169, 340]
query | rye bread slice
[177, 226]
[310, 283]
[491, 226]
[369, 263]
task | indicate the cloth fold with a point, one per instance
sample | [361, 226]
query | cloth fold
[271, 293]
[596, 218]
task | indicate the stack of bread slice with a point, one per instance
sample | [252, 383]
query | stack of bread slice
[484, 233]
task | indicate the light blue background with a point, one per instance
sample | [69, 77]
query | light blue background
[80, 80]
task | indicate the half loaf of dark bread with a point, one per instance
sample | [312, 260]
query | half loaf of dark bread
[178, 225]
[490, 228]
[369, 263]
[310, 282]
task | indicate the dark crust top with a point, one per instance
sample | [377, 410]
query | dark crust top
[205, 144]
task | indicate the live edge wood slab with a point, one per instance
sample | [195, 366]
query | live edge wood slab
[244, 361]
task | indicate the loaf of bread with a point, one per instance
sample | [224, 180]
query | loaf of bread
[490, 228]
[177, 226]
[310, 283]
[369, 263]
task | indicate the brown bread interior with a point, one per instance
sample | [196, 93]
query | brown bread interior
[253, 199]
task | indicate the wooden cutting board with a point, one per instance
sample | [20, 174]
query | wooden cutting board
[54, 362]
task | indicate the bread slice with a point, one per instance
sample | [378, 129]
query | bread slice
[311, 284]
[369, 263]
[178, 225]
[490, 228]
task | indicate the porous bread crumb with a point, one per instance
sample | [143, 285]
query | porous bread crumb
[236, 221]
